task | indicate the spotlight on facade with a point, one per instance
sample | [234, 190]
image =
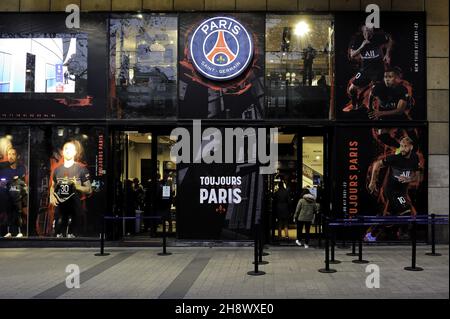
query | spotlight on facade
[301, 28]
[60, 132]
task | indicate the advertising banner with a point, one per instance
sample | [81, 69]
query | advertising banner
[381, 172]
[380, 72]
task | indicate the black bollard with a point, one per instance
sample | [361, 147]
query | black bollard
[260, 248]
[353, 253]
[333, 245]
[164, 253]
[433, 238]
[256, 271]
[360, 260]
[327, 269]
[102, 240]
[413, 254]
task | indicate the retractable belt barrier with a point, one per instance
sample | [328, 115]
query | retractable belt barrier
[102, 234]
[433, 219]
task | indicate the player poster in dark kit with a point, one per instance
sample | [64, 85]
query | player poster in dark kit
[70, 178]
[382, 172]
[380, 72]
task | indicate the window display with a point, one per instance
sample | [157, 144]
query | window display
[299, 65]
[70, 181]
[14, 182]
[143, 71]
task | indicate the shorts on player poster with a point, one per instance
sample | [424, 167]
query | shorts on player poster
[69, 173]
[380, 72]
[381, 172]
[14, 155]
[221, 66]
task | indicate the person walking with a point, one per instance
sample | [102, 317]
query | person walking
[281, 201]
[304, 215]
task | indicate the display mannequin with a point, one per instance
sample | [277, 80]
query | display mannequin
[70, 181]
[13, 177]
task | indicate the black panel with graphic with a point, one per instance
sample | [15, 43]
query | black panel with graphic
[225, 77]
[50, 71]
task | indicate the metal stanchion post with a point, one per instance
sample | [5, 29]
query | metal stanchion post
[433, 238]
[164, 253]
[102, 240]
[360, 260]
[413, 244]
[261, 247]
[256, 271]
[333, 245]
[327, 269]
[353, 253]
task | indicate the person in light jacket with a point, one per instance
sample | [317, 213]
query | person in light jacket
[304, 215]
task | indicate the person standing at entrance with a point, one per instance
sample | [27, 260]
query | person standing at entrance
[281, 201]
[304, 215]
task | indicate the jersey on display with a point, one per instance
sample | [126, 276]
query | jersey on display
[9, 173]
[400, 166]
[63, 178]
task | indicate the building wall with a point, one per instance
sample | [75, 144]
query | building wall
[437, 57]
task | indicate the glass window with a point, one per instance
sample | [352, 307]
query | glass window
[299, 68]
[143, 71]
[14, 163]
[68, 173]
[5, 72]
[313, 162]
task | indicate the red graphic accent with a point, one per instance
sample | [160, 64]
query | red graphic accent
[221, 46]
[221, 209]
[87, 101]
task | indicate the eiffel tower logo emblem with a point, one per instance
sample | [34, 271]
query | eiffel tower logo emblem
[221, 53]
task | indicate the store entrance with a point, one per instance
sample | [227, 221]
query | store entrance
[300, 171]
[144, 185]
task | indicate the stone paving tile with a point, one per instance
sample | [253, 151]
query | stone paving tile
[291, 273]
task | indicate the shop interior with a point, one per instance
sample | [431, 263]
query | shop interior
[298, 155]
[141, 159]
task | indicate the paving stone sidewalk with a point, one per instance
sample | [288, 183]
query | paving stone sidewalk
[218, 272]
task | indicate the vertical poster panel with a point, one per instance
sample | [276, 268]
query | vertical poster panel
[14, 176]
[69, 174]
[221, 66]
[51, 71]
[381, 171]
[380, 72]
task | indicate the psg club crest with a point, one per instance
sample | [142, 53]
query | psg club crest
[221, 48]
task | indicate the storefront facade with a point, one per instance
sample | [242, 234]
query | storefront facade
[113, 91]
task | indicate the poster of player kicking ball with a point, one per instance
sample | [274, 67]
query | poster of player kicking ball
[380, 72]
[382, 173]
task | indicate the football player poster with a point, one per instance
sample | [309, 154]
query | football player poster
[380, 72]
[70, 177]
[382, 172]
[221, 66]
